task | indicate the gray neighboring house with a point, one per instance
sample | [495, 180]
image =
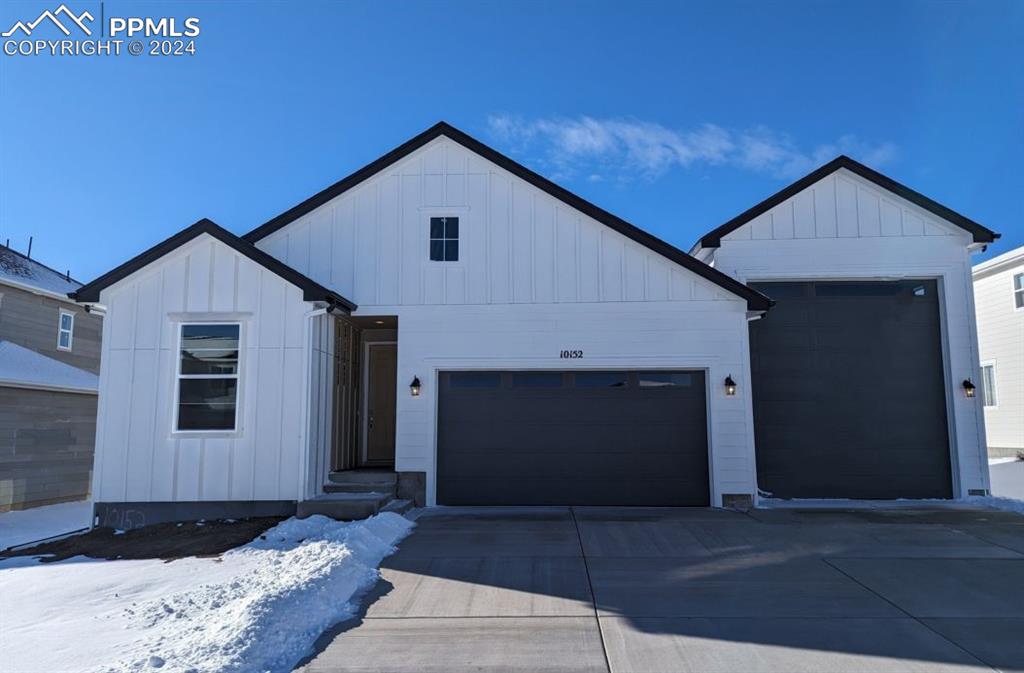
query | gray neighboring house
[49, 366]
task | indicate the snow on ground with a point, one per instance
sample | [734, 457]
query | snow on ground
[258, 607]
[38, 523]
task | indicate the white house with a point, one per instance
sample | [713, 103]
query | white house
[449, 315]
[999, 300]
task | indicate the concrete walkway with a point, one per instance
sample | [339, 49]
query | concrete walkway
[634, 590]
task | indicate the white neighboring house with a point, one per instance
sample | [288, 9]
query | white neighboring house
[999, 300]
[449, 317]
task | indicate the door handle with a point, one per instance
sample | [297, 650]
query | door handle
[370, 421]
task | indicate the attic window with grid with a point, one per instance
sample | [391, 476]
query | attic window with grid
[444, 239]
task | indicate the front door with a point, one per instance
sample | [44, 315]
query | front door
[382, 369]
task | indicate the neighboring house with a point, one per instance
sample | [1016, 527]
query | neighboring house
[999, 300]
[448, 314]
[49, 361]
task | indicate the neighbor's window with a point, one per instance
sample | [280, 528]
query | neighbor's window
[444, 239]
[988, 385]
[208, 376]
[1018, 290]
[65, 330]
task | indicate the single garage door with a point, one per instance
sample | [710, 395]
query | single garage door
[572, 438]
[849, 394]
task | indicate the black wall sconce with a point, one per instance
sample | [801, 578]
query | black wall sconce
[414, 387]
[730, 386]
[969, 388]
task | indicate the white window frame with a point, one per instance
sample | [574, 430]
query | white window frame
[995, 392]
[61, 331]
[458, 239]
[1015, 291]
[178, 376]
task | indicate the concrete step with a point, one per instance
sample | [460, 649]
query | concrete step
[373, 476]
[390, 488]
[397, 506]
[344, 506]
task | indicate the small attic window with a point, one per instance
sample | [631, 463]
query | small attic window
[444, 239]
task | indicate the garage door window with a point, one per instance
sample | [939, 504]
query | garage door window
[537, 380]
[601, 379]
[663, 380]
[475, 380]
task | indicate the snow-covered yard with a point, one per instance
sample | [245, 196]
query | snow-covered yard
[38, 523]
[258, 607]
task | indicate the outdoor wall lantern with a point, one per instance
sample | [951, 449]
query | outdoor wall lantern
[414, 387]
[730, 386]
[968, 388]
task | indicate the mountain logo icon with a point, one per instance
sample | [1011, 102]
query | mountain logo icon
[79, 21]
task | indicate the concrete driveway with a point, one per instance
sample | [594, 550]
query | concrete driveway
[594, 589]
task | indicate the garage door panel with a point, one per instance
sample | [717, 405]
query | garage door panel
[860, 413]
[580, 443]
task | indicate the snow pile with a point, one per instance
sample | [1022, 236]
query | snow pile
[259, 607]
[31, 525]
[995, 502]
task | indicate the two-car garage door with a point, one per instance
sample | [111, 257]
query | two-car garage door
[572, 438]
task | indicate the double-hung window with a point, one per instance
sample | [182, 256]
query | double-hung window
[65, 330]
[1018, 290]
[208, 377]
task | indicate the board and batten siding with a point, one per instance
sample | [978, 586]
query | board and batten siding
[517, 244]
[846, 228]
[534, 277]
[139, 457]
[1001, 342]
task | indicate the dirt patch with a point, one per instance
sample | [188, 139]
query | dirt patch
[167, 541]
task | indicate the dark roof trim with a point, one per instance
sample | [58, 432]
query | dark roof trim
[981, 234]
[755, 300]
[311, 290]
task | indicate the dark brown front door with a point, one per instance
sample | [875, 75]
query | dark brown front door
[382, 367]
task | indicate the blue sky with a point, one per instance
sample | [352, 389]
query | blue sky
[675, 116]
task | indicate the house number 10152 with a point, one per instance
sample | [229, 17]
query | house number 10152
[570, 355]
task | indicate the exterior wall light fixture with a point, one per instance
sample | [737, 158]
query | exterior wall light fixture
[730, 386]
[969, 387]
[414, 387]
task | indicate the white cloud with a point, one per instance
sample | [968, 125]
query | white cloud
[622, 149]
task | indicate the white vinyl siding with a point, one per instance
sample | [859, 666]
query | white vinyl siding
[65, 330]
[1001, 342]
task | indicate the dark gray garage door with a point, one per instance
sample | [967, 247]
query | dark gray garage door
[563, 438]
[849, 396]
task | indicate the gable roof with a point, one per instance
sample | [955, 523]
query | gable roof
[311, 290]
[713, 238]
[755, 300]
[22, 271]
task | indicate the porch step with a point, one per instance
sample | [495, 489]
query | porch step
[361, 487]
[344, 506]
[364, 476]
